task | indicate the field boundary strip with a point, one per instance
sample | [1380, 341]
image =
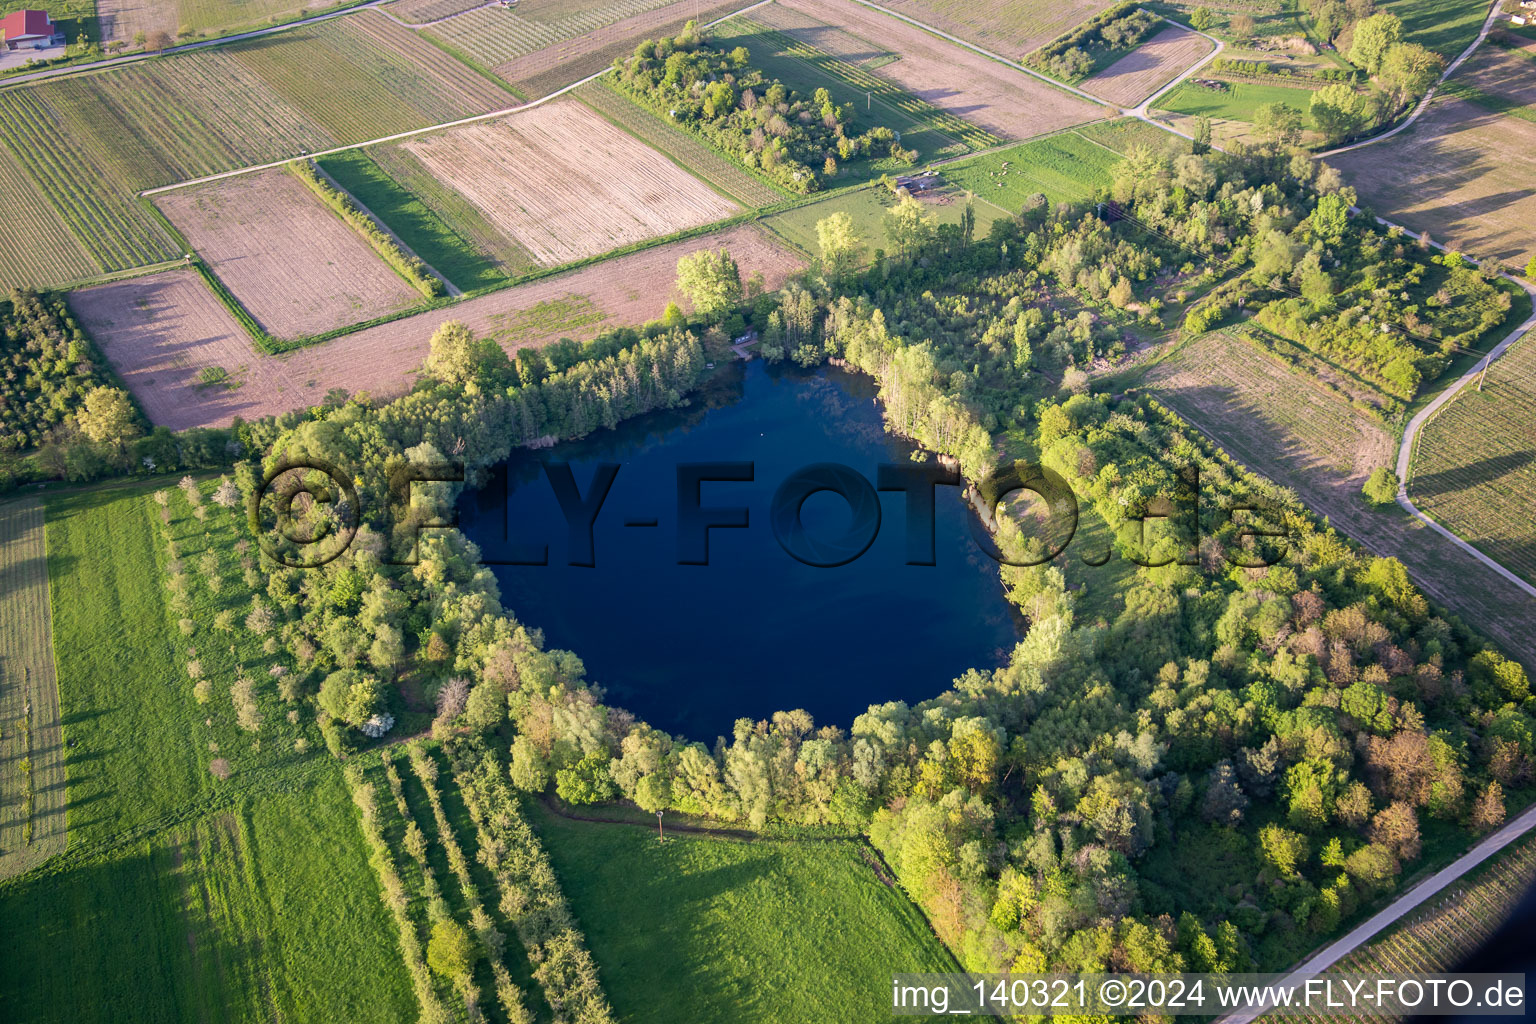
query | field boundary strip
[413, 132]
[32, 773]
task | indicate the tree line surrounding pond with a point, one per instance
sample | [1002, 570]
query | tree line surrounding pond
[1296, 735]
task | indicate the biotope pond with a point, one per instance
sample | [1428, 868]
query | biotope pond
[691, 648]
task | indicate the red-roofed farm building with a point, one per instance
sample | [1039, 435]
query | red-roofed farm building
[27, 29]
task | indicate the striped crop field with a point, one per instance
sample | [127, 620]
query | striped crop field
[91, 142]
[683, 146]
[35, 248]
[496, 35]
[1474, 467]
[420, 12]
[364, 77]
[1458, 921]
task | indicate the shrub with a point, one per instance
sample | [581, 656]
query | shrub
[1381, 489]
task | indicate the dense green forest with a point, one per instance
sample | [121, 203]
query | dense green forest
[797, 141]
[1210, 770]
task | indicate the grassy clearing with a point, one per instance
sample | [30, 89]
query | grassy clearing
[1123, 133]
[184, 897]
[1237, 102]
[868, 207]
[710, 929]
[1064, 167]
[1474, 466]
[31, 744]
[685, 148]
[413, 221]
[1445, 26]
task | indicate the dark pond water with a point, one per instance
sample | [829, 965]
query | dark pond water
[691, 648]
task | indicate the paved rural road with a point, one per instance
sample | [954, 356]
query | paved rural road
[1410, 434]
[1493, 15]
[1141, 110]
[1432, 885]
[110, 62]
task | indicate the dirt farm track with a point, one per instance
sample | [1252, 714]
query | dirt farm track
[160, 332]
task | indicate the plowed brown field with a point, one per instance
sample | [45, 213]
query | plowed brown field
[565, 184]
[1149, 67]
[293, 264]
[159, 332]
[1007, 103]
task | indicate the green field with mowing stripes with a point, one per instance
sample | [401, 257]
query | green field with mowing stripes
[31, 743]
[427, 235]
[685, 148]
[761, 931]
[1065, 167]
[182, 896]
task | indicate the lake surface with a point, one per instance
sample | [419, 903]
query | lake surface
[691, 648]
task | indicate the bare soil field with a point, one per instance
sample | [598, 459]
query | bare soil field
[989, 95]
[1508, 74]
[1010, 27]
[159, 332]
[543, 71]
[121, 19]
[565, 184]
[1149, 67]
[293, 264]
[1279, 437]
[1462, 173]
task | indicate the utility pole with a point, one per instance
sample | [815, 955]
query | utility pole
[660, 838]
[1483, 376]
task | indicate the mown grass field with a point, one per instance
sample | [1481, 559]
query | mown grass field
[183, 896]
[1123, 133]
[705, 929]
[91, 142]
[686, 149]
[868, 207]
[1474, 465]
[1445, 26]
[31, 745]
[413, 221]
[1238, 102]
[1065, 167]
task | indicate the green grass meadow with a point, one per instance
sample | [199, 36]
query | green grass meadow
[705, 929]
[182, 897]
[1238, 102]
[417, 225]
[1445, 26]
[1064, 167]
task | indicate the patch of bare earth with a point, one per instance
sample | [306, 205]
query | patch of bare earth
[1149, 67]
[1011, 27]
[566, 184]
[554, 67]
[158, 332]
[1462, 173]
[1276, 435]
[120, 20]
[295, 266]
[1007, 103]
